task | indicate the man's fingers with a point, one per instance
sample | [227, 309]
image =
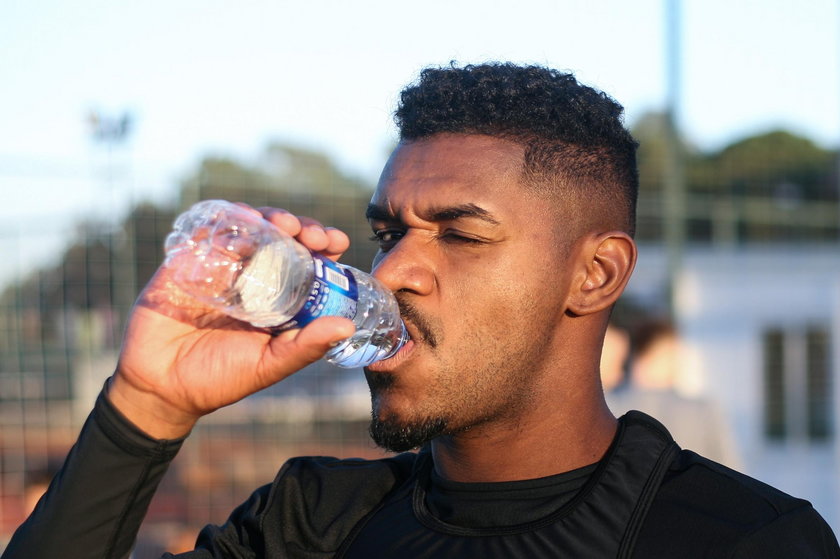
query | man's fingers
[294, 349]
[313, 234]
[338, 242]
[283, 220]
[309, 231]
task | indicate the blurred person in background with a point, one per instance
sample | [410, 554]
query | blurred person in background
[505, 221]
[640, 371]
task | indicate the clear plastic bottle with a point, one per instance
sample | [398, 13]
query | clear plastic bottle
[231, 258]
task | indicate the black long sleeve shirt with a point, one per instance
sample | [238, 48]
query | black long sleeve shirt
[645, 498]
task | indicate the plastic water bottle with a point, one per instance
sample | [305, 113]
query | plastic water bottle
[232, 259]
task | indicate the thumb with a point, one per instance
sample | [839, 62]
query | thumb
[295, 349]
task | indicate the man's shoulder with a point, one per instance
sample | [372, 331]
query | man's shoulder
[720, 491]
[704, 508]
[336, 472]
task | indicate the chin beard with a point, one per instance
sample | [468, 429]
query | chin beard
[391, 433]
[401, 437]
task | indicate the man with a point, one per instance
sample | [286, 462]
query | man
[504, 220]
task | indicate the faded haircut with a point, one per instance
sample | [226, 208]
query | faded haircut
[573, 135]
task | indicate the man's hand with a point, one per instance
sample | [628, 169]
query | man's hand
[181, 359]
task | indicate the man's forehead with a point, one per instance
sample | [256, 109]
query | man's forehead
[445, 153]
[449, 173]
[437, 199]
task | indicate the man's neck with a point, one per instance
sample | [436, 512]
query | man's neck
[536, 446]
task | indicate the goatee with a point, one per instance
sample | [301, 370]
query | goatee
[401, 437]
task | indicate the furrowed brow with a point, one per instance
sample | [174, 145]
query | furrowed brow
[449, 213]
[378, 213]
[461, 211]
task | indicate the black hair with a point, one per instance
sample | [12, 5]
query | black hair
[572, 133]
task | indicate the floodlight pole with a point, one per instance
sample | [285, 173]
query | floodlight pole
[111, 132]
[674, 202]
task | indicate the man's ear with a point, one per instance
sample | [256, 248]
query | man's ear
[605, 263]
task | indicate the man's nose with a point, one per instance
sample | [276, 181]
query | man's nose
[405, 267]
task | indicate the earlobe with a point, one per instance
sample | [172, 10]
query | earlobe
[606, 263]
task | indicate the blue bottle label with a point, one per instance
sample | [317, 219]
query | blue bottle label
[334, 293]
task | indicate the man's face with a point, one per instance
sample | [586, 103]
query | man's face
[476, 262]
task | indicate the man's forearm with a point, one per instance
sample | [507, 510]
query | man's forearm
[97, 501]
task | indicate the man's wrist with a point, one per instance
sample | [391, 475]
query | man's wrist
[147, 411]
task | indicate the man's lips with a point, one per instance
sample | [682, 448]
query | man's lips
[415, 338]
[396, 360]
[420, 331]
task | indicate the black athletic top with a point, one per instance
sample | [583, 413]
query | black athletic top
[645, 498]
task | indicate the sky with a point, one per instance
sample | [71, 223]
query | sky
[227, 77]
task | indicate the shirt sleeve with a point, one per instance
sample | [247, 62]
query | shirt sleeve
[800, 533]
[98, 499]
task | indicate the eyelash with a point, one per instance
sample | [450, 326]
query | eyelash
[454, 238]
[377, 237]
[384, 245]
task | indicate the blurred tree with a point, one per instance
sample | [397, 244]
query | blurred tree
[776, 165]
[303, 181]
[775, 186]
[651, 131]
[149, 225]
[772, 187]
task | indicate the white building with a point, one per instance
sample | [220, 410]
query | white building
[761, 332]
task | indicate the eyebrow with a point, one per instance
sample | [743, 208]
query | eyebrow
[448, 213]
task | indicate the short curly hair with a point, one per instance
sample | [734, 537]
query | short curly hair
[572, 133]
